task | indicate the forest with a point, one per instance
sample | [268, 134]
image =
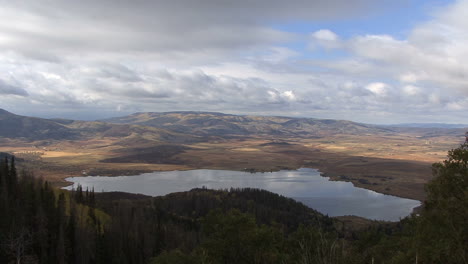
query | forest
[43, 224]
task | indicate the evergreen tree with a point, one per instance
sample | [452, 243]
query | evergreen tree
[443, 229]
[71, 235]
[61, 241]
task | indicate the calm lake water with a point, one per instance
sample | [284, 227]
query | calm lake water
[305, 185]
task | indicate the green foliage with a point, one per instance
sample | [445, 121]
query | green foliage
[313, 245]
[174, 257]
[38, 224]
[235, 238]
[443, 226]
[439, 234]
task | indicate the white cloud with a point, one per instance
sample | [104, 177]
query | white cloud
[434, 52]
[325, 34]
[325, 38]
[279, 54]
[412, 90]
[457, 106]
[425, 72]
[378, 88]
[435, 99]
[412, 77]
[289, 95]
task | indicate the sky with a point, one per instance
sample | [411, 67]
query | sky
[381, 62]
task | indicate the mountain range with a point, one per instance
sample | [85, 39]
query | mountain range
[219, 124]
[180, 127]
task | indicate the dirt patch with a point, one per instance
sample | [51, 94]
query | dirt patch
[246, 149]
[57, 154]
[157, 154]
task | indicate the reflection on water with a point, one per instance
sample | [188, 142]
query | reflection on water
[305, 185]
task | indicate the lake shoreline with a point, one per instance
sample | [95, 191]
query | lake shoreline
[324, 172]
[306, 185]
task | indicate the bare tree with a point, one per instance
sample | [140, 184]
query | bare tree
[17, 243]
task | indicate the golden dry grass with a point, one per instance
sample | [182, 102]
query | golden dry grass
[398, 164]
[58, 154]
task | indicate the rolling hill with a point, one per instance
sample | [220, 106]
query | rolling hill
[31, 129]
[218, 124]
[187, 127]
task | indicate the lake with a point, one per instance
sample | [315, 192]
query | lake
[334, 198]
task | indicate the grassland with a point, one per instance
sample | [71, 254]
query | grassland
[391, 164]
[386, 159]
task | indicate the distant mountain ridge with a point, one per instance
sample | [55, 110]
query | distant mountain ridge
[430, 125]
[184, 127]
[16, 126]
[33, 128]
[209, 123]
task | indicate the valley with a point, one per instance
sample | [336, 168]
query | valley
[389, 160]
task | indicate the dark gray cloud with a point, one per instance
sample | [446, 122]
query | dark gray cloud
[158, 26]
[115, 71]
[8, 89]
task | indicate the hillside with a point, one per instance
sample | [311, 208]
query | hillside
[218, 124]
[129, 134]
[431, 125]
[31, 128]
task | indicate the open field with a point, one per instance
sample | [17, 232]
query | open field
[390, 160]
[401, 171]
[395, 164]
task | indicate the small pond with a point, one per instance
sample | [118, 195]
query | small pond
[334, 198]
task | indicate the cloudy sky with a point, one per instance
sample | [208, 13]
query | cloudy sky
[362, 60]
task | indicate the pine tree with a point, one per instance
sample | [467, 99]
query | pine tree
[13, 179]
[6, 176]
[4, 193]
[443, 232]
[61, 247]
[71, 235]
